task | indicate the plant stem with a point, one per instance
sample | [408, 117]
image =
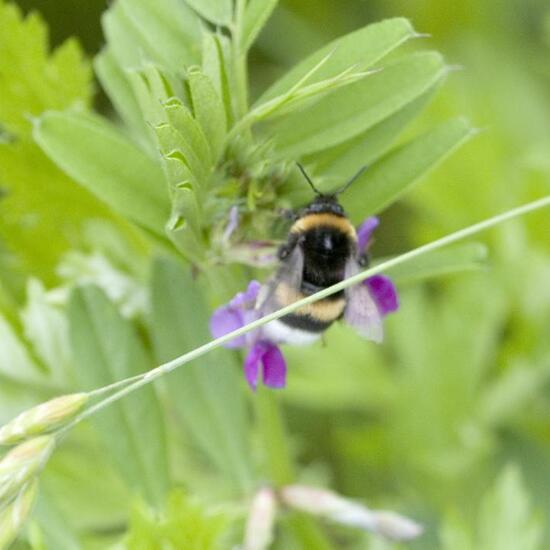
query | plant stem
[131, 384]
[240, 60]
[280, 469]
[275, 443]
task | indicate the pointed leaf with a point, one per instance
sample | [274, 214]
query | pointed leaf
[215, 65]
[174, 144]
[349, 111]
[208, 110]
[165, 31]
[182, 120]
[106, 349]
[340, 163]
[361, 48]
[395, 173]
[101, 159]
[115, 83]
[507, 521]
[207, 393]
[187, 207]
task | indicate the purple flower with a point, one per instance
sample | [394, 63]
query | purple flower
[364, 233]
[262, 353]
[383, 292]
[269, 357]
[381, 288]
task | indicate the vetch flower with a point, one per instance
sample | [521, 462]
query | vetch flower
[263, 356]
[261, 519]
[238, 312]
[332, 506]
[381, 288]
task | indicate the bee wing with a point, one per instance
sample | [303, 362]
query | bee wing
[361, 311]
[290, 272]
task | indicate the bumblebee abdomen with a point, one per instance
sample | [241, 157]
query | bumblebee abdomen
[307, 323]
[323, 311]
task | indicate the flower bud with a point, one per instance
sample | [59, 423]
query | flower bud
[396, 527]
[21, 464]
[259, 526]
[341, 510]
[13, 516]
[43, 418]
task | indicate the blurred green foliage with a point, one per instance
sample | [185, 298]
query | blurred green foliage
[449, 421]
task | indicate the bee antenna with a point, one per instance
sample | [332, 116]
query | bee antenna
[303, 170]
[354, 178]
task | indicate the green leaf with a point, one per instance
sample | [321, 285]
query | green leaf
[152, 88]
[208, 110]
[34, 79]
[215, 65]
[456, 534]
[208, 394]
[83, 484]
[55, 529]
[300, 95]
[507, 521]
[101, 159]
[338, 164]
[511, 393]
[181, 119]
[255, 17]
[395, 173]
[163, 31]
[218, 12]
[175, 145]
[115, 83]
[184, 525]
[45, 326]
[464, 257]
[349, 111]
[361, 48]
[15, 360]
[186, 206]
[106, 349]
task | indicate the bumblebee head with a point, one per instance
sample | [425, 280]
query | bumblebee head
[326, 203]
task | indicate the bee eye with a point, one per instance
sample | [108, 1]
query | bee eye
[283, 252]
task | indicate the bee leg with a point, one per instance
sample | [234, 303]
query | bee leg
[323, 340]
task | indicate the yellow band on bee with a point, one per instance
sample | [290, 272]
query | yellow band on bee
[310, 221]
[323, 310]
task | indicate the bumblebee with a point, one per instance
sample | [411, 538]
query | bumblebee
[321, 250]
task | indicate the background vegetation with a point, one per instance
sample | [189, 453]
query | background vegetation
[448, 421]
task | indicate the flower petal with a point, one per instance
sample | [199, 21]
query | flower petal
[274, 372]
[247, 299]
[224, 320]
[252, 364]
[384, 293]
[364, 233]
